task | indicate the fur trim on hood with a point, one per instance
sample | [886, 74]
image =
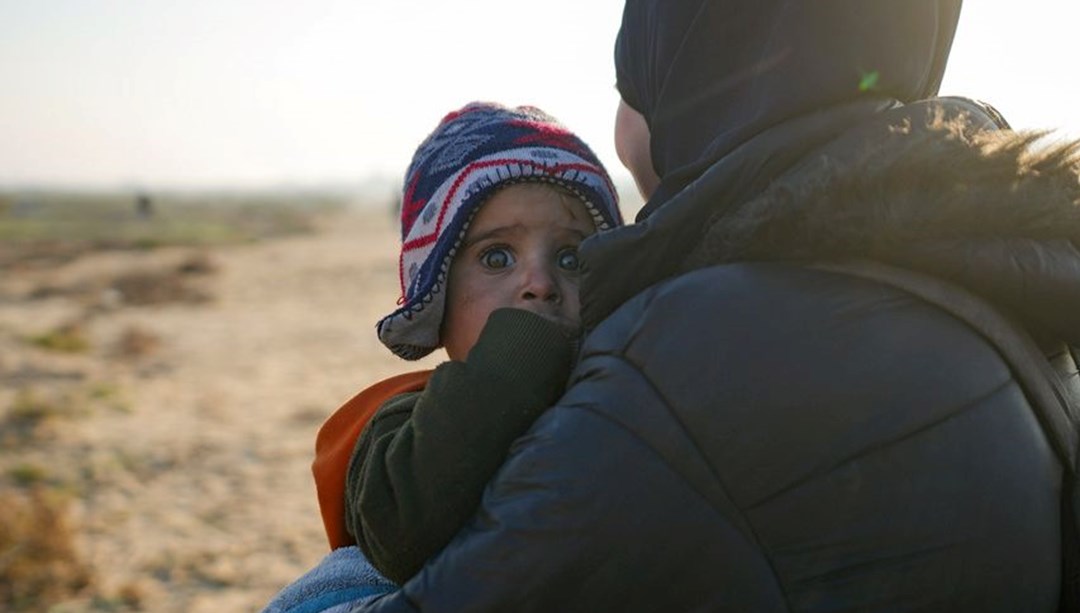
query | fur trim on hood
[917, 186]
[998, 212]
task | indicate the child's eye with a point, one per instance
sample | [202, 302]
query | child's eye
[496, 258]
[567, 259]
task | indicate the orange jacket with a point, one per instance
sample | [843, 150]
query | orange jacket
[335, 443]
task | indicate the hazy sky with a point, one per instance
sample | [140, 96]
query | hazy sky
[233, 92]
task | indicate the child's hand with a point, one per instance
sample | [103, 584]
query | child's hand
[528, 348]
[520, 319]
[570, 329]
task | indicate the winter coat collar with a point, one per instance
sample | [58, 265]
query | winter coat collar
[930, 186]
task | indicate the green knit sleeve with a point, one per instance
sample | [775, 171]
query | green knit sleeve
[421, 465]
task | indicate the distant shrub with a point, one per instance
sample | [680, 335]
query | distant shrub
[144, 288]
[107, 395]
[198, 264]
[25, 475]
[146, 243]
[66, 338]
[39, 565]
[30, 413]
[137, 342]
[128, 597]
[29, 407]
[38, 253]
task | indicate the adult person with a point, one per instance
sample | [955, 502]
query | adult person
[746, 431]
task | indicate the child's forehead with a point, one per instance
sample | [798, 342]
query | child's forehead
[540, 204]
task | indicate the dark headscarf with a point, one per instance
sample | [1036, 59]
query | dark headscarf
[710, 74]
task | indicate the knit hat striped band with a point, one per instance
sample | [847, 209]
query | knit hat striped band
[472, 153]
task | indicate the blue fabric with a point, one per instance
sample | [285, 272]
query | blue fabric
[344, 576]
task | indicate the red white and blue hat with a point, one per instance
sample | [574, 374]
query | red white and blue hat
[474, 152]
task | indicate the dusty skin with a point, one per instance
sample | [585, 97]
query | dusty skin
[181, 433]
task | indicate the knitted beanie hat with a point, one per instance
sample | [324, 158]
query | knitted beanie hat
[472, 153]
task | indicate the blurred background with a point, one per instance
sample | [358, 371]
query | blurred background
[233, 93]
[197, 237]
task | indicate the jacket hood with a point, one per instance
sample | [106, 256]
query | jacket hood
[995, 211]
[710, 74]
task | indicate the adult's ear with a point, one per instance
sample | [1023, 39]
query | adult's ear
[632, 142]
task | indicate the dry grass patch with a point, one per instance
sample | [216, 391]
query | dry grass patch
[27, 474]
[198, 264]
[42, 255]
[137, 342]
[35, 416]
[39, 565]
[143, 286]
[32, 417]
[154, 287]
[65, 338]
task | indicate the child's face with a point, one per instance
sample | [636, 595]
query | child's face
[520, 251]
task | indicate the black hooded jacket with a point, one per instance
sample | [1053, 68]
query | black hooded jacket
[745, 432]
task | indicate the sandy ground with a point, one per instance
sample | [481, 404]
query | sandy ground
[191, 459]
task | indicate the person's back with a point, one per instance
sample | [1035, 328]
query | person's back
[845, 457]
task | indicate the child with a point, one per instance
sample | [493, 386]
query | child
[495, 203]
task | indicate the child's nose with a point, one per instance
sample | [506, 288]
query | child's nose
[541, 284]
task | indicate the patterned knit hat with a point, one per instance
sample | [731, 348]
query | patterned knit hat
[472, 153]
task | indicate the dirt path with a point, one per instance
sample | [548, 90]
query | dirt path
[193, 492]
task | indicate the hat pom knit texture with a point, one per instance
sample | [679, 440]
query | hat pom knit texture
[474, 152]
